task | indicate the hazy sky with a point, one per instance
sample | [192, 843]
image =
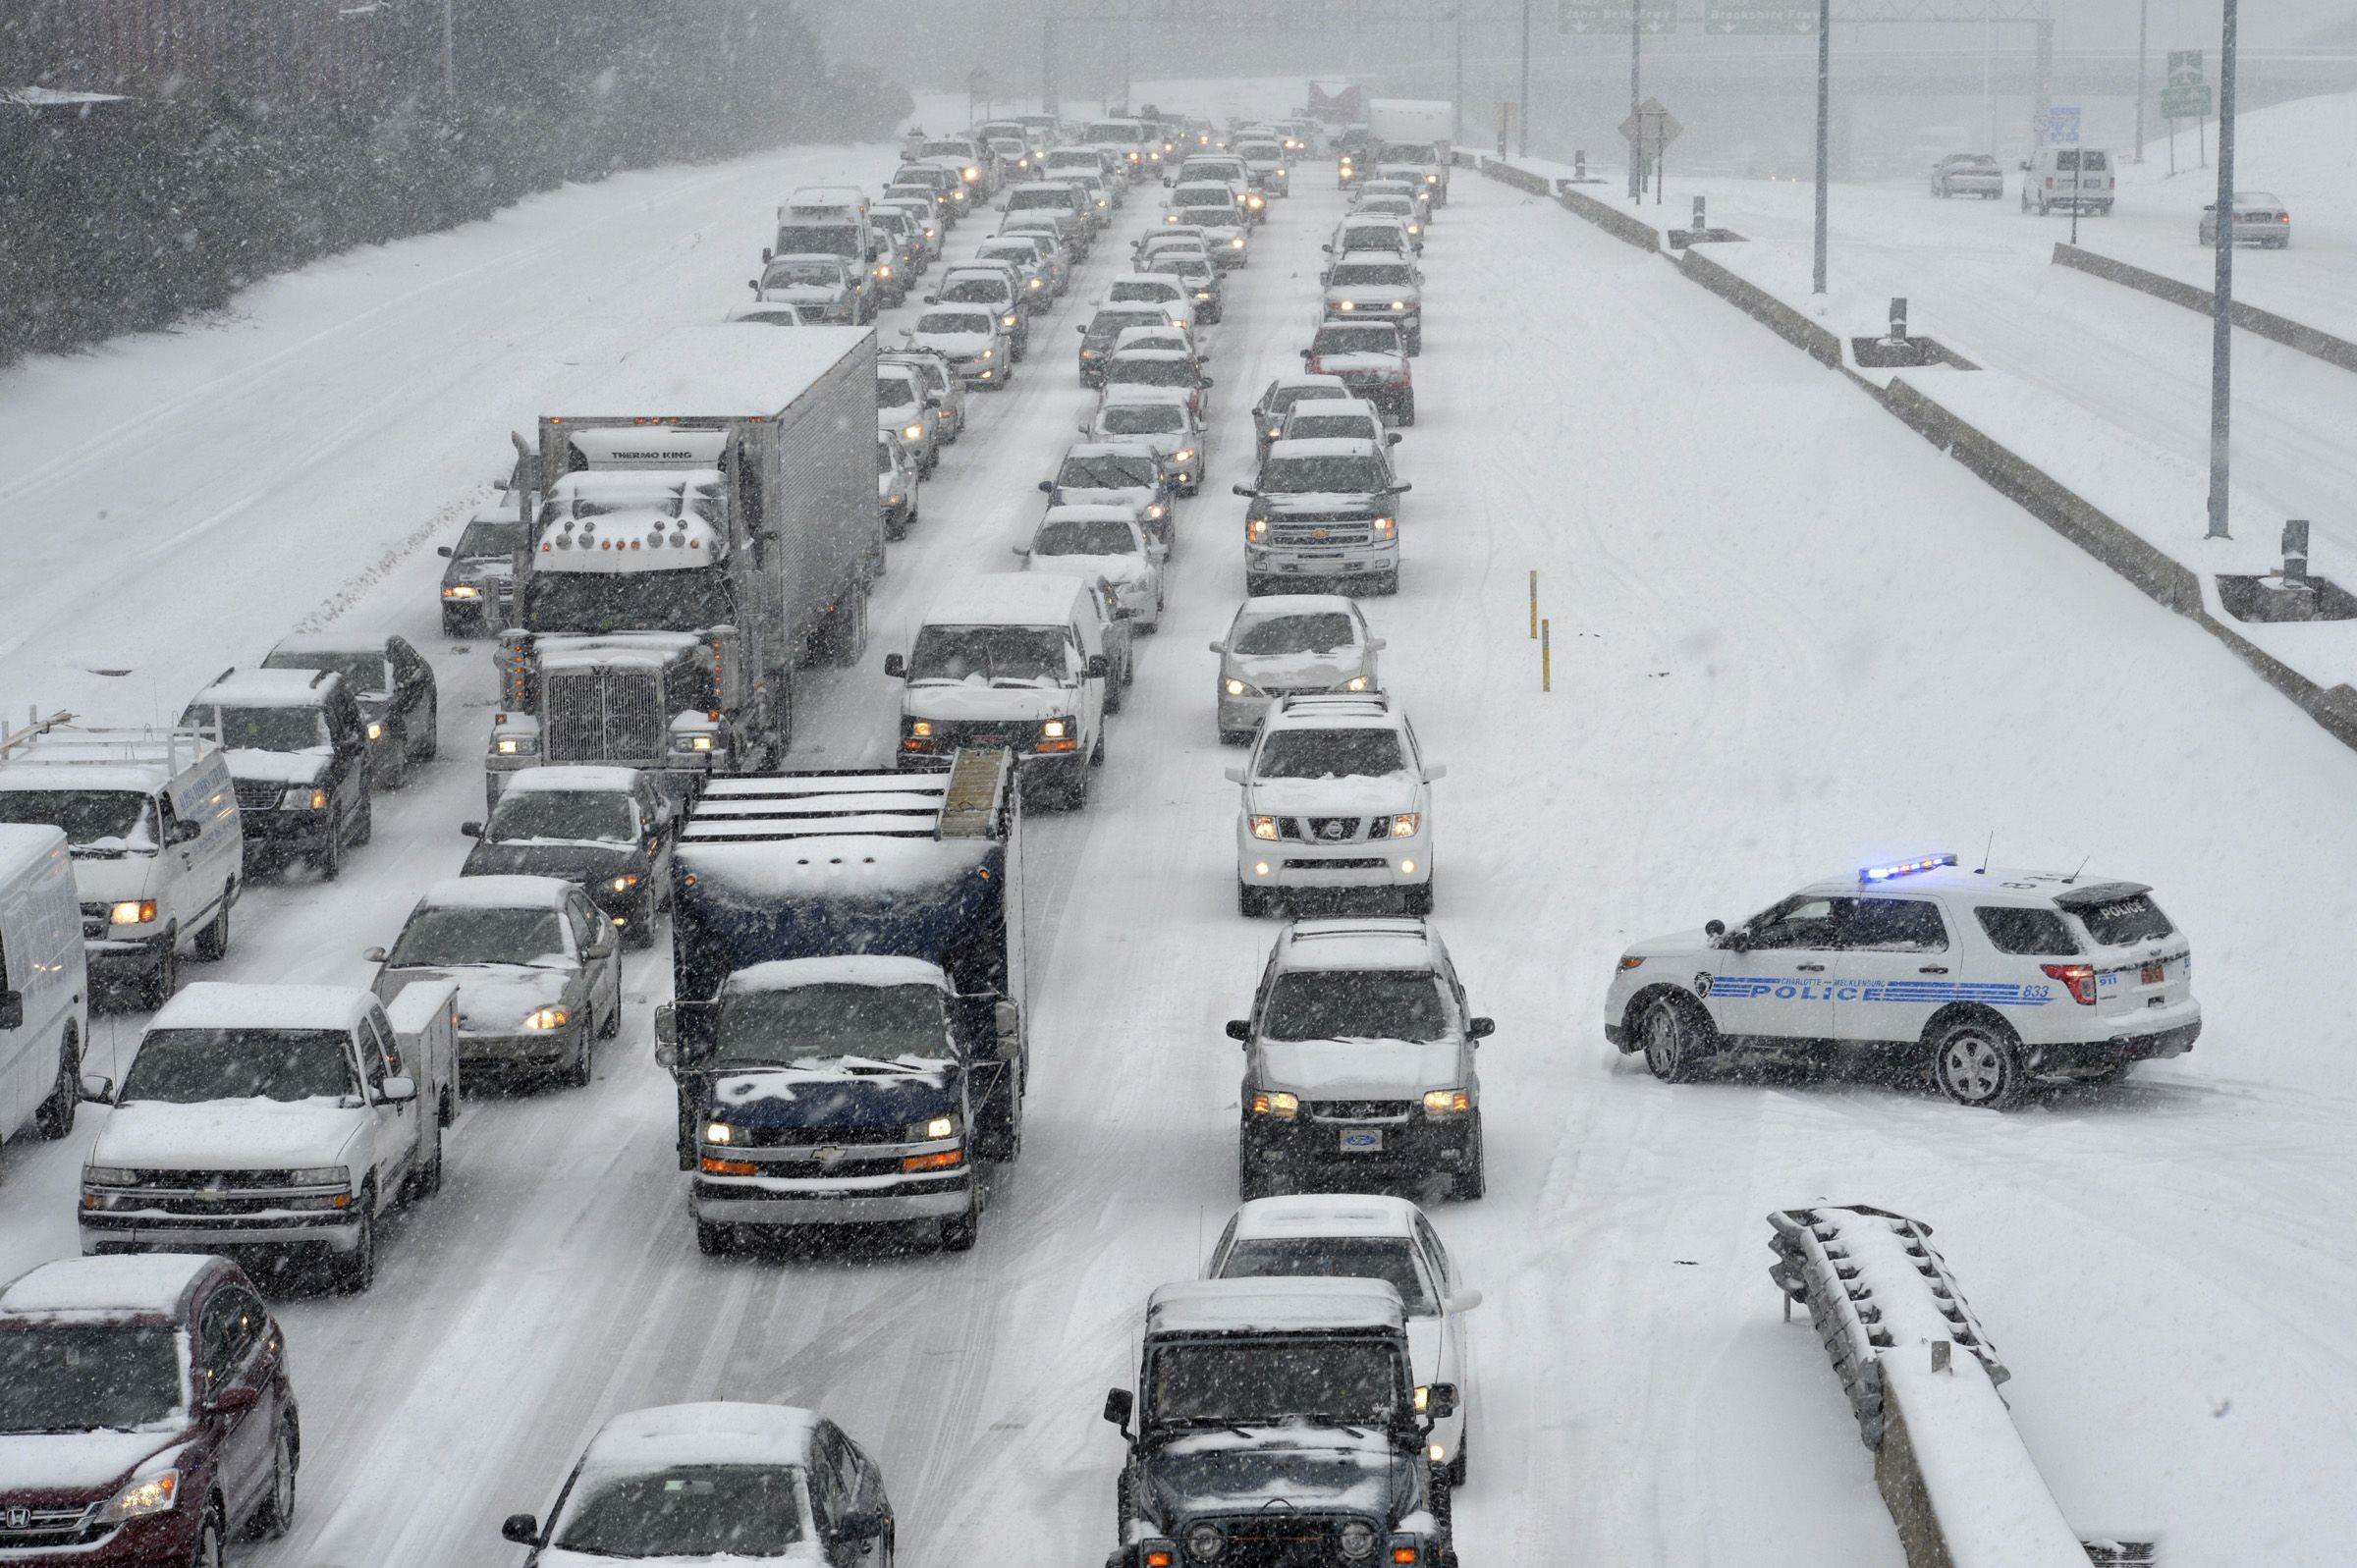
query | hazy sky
[2194, 24]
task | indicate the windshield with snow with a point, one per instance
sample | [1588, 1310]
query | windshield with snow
[1107, 473]
[1357, 1004]
[1326, 631]
[1348, 474]
[798, 1023]
[1127, 370]
[684, 1511]
[1084, 538]
[827, 238]
[802, 275]
[572, 816]
[1391, 1258]
[1143, 420]
[1368, 753]
[1372, 338]
[194, 1066]
[365, 674]
[954, 321]
[59, 1376]
[1027, 656]
[301, 729]
[97, 822]
[1256, 1382]
[485, 539]
[443, 939]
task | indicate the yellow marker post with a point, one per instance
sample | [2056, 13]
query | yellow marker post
[1534, 601]
[1546, 657]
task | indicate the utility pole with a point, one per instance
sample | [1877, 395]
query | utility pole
[1636, 96]
[450, 53]
[2143, 7]
[1047, 64]
[1825, 102]
[2221, 303]
[1524, 115]
[1457, 130]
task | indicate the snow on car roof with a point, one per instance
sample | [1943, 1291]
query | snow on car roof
[1369, 943]
[709, 369]
[1996, 885]
[269, 688]
[142, 1283]
[333, 643]
[1247, 1306]
[1334, 409]
[224, 1005]
[1324, 446]
[1294, 383]
[849, 969]
[572, 776]
[496, 892]
[1326, 1214]
[1112, 449]
[712, 1432]
[36, 771]
[1091, 513]
[1004, 598]
[1297, 603]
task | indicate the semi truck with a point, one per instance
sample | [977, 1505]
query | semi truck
[702, 527]
[1415, 130]
[848, 1025]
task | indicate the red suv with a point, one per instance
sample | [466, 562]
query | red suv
[144, 1413]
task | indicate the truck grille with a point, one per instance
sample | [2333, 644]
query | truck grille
[812, 1137]
[603, 715]
[1361, 1109]
[1336, 534]
[258, 794]
[1324, 830]
[1283, 1541]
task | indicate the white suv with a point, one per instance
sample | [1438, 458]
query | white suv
[1337, 797]
[1987, 980]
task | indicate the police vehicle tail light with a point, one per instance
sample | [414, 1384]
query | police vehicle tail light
[2078, 977]
[1443, 1103]
[1405, 824]
[1279, 1103]
[1905, 868]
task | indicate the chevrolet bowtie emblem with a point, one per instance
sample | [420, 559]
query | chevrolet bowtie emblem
[829, 1153]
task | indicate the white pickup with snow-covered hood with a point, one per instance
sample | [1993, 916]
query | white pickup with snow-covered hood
[274, 1116]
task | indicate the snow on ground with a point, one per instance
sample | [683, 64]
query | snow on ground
[1791, 637]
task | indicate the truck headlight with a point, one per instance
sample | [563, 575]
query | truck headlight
[921, 729]
[1282, 1104]
[304, 797]
[1358, 1538]
[544, 1018]
[1399, 304]
[108, 1176]
[1205, 1542]
[1405, 824]
[1264, 828]
[1183, 455]
[131, 913]
[515, 745]
[700, 742]
[1446, 1102]
[1386, 527]
[1256, 528]
[319, 1176]
[932, 1130]
[376, 729]
[913, 432]
[145, 1495]
[1052, 729]
[461, 590]
[1345, 304]
[719, 1132]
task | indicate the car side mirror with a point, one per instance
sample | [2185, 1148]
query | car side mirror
[766, 254]
[896, 667]
[1234, 776]
[602, 947]
[1737, 942]
[231, 1401]
[1240, 1029]
[1244, 490]
[755, 284]
[97, 1088]
[397, 1089]
[1305, 353]
[1327, 249]
[522, 1529]
[1714, 928]
[1118, 1404]
[1099, 667]
[471, 830]
[2025, 167]
[1203, 382]
[1391, 437]
[1082, 330]
[1400, 489]
[1440, 1401]
[1462, 1301]
[1481, 1028]
[1024, 551]
[443, 551]
[376, 954]
[1436, 772]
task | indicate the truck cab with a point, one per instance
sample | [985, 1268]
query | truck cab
[1278, 1421]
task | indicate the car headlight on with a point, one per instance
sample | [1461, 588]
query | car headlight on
[921, 729]
[1355, 683]
[1035, 283]
[1385, 527]
[131, 913]
[1205, 1542]
[1183, 455]
[1237, 243]
[1346, 304]
[1446, 1102]
[515, 745]
[625, 884]
[719, 1132]
[1432, 179]
[545, 1018]
[461, 590]
[1238, 688]
[1399, 304]
[1415, 229]
[1405, 824]
[913, 432]
[143, 1495]
[987, 354]
[376, 729]
[1264, 828]
[304, 797]
[1154, 513]
[1281, 1102]
[932, 1129]
[1202, 293]
[1053, 730]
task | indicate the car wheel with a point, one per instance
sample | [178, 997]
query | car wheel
[1407, 415]
[426, 1179]
[1669, 1043]
[454, 624]
[613, 1024]
[54, 1117]
[1096, 758]
[276, 1516]
[895, 531]
[330, 859]
[1002, 1124]
[577, 1073]
[163, 977]
[368, 828]
[206, 1554]
[958, 1233]
[715, 1241]
[1251, 1179]
[393, 770]
[1978, 1062]
[212, 937]
[1472, 1177]
[1113, 697]
[356, 1272]
[1253, 902]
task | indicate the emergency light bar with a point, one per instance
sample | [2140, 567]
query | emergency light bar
[1905, 868]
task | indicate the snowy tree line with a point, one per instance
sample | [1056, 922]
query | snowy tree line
[161, 154]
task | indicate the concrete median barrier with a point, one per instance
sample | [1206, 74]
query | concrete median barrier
[2266, 324]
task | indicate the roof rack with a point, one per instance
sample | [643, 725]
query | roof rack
[1372, 704]
[97, 744]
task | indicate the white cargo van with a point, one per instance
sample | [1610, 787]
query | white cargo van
[44, 995]
[150, 819]
[1014, 660]
[2063, 177]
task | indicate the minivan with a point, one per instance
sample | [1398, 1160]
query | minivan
[1010, 660]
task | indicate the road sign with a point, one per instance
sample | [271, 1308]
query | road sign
[1758, 16]
[1613, 15]
[2062, 126]
[2184, 67]
[2186, 103]
[1650, 128]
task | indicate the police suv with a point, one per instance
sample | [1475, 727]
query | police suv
[1989, 980]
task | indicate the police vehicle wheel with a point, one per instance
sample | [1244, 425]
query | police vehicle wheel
[213, 939]
[1978, 1062]
[1669, 1043]
[715, 1241]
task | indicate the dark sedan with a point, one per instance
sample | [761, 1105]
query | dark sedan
[605, 829]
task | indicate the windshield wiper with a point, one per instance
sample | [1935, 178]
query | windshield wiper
[1334, 1421]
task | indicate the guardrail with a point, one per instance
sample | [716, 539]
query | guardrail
[2311, 341]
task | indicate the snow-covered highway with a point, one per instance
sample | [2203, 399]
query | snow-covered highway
[1790, 638]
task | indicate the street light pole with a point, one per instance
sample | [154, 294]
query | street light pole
[1457, 130]
[2143, 7]
[1825, 75]
[2222, 302]
[1636, 96]
[450, 53]
[1522, 115]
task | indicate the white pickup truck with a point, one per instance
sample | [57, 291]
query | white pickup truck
[274, 1116]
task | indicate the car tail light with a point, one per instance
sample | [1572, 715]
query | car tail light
[2079, 977]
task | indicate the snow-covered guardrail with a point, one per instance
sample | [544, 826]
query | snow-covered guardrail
[2312, 341]
[1922, 1379]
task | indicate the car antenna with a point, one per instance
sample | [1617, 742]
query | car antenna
[2074, 876]
[1982, 870]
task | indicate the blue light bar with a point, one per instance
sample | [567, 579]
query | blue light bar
[1905, 868]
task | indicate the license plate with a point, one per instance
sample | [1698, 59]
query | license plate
[2152, 972]
[1362, 1140]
